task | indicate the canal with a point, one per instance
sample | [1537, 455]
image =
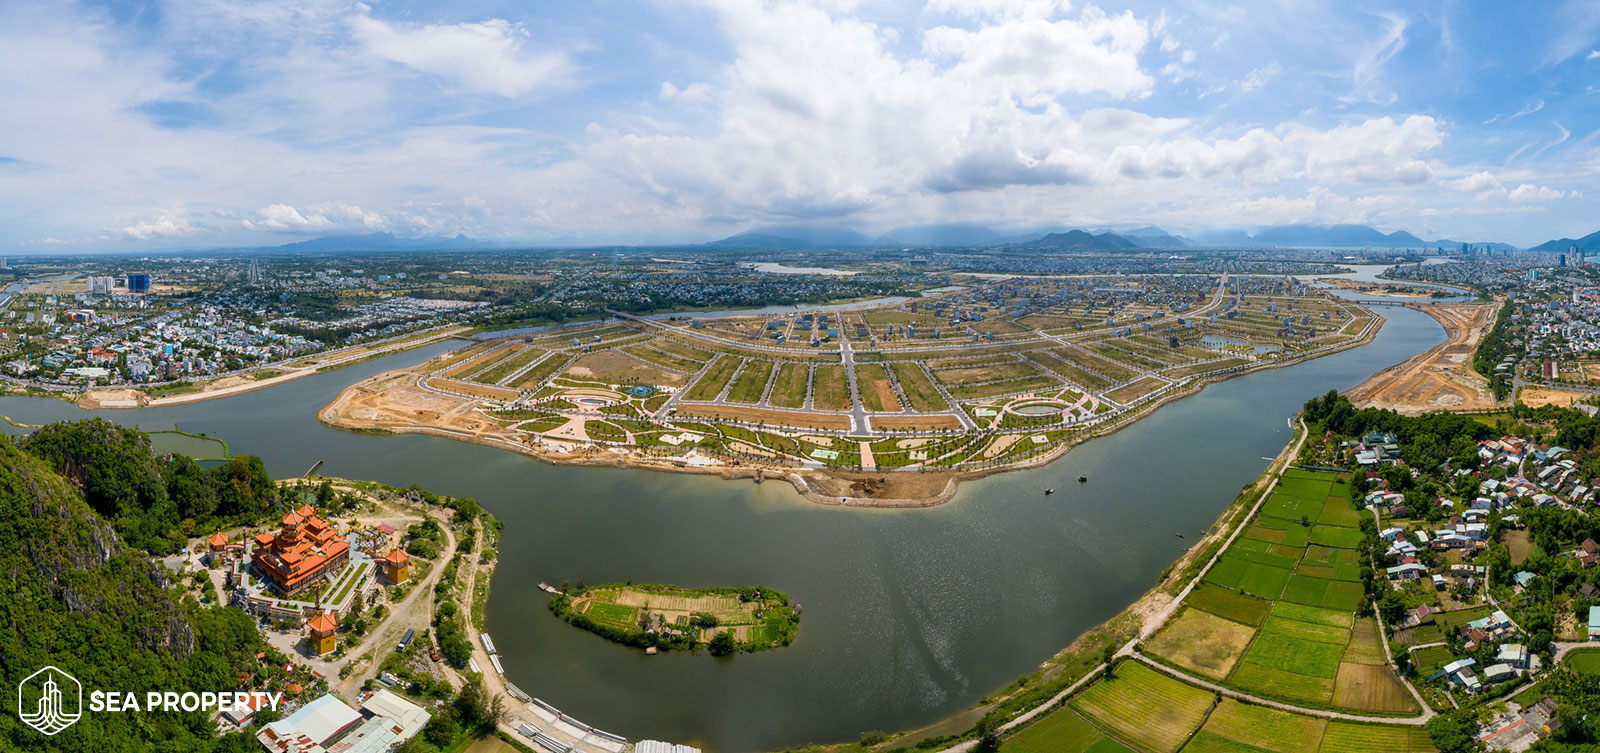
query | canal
[909, 615]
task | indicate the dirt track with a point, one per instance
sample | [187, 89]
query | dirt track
[1440, 378]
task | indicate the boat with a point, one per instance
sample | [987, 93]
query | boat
[1049, 491]
[1179, 535]
[1083, 479]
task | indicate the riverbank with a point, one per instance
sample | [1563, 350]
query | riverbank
[1442, 377]
[402, 402]
[1071, 669]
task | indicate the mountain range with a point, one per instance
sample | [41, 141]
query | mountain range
[969, 234]
[1588, 244]
[1148, 236]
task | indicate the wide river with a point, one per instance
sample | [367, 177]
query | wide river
[909, 615]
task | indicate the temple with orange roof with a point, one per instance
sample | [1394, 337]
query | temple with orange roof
[397, 567]
[320, 636]
[301, 552]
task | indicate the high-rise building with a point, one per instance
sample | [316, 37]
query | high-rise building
[138, 282]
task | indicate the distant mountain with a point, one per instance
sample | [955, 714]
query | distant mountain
[1325, 236]
[1078, 240]
[794, 236]
[1151, 236]
[384, 242]
[943, 234]
[1588, 244]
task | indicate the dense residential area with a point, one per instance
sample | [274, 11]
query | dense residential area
[1483, 560]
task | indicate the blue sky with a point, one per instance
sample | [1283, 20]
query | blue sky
[198, 123]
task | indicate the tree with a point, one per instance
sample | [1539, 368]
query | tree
[471, 705]
[442, 729]
[988, 733]
[1452, 732]
[722, 644]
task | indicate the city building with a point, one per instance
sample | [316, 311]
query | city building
[138, 282]
[384, 722]
[302, 551]
[311, 729]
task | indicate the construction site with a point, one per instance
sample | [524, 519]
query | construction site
[1441, 377]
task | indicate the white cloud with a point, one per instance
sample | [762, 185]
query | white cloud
[1530, 192]
[1001, 9]
[330, 216]
[1528, 109]
[1482, 183]
[1369, 64]
[491, 56]
[1593, 55]
[165, 227]
[1035, 59]
[1259, 77]
[692, 94]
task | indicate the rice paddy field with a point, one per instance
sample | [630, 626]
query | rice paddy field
[1144, 710]
[1280, 607]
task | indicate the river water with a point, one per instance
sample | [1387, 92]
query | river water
[909, 615]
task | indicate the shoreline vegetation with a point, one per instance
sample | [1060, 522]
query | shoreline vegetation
[666, 617]
[418, 400]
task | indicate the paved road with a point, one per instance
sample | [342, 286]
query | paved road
[858, 413]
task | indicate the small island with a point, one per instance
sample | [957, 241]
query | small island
[655, 616]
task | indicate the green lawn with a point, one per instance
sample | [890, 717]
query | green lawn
[1585, 661]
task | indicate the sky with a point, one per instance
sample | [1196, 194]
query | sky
[205, 123]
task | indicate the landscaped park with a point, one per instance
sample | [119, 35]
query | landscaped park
[997, 375]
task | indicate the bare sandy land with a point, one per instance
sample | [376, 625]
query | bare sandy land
[1440, 378]
[1535, 397]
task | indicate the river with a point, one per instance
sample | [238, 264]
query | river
[909, 615]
